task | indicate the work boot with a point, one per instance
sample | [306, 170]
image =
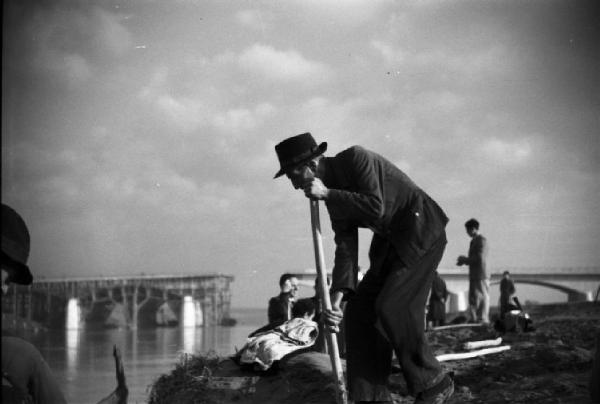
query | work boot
[437, 394]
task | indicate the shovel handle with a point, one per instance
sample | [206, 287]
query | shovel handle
[334, 354]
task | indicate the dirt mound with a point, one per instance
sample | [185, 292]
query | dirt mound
[550, 364]
[301, 378]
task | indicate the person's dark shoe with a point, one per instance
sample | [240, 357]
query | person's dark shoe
[438, 394]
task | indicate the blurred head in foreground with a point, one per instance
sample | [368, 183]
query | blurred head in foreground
[15, 249]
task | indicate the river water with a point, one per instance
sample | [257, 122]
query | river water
[83, 363]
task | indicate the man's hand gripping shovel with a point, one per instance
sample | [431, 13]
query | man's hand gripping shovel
[334, 355]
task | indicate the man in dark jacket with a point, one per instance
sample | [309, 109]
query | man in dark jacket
[507, 289]
[385, 312]
[479, 280]
[436, 314]
[280, 306]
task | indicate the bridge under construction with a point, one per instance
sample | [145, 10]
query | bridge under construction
[134, 301]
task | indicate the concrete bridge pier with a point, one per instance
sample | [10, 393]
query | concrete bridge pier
[74, 320]
[137, 305]
[576, 296]
[208, 304]
[197, 306]
[457, 302]
[199, 313]
[190, 308]
[119, 315]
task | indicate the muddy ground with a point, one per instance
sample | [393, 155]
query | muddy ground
[551, 364]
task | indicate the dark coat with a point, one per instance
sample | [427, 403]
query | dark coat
[437, 300]
[368, 191]
[28, 372]
[477, 260]
[278, 308]
[507, 289]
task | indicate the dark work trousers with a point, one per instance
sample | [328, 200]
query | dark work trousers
[387, 313]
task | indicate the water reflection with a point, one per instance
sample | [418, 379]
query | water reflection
[84, 366]
[72, 338]
[189, 339]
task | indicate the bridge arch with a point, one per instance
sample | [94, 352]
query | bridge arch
[573, 295]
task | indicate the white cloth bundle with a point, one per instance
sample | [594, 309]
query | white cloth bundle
[267, 347]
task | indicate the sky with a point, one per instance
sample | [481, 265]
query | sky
[138, 136]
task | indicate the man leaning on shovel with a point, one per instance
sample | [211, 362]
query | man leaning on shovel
[385, 312]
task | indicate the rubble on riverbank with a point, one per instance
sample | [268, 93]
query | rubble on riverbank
[550, 364]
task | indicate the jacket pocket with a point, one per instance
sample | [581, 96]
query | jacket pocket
[426, 223]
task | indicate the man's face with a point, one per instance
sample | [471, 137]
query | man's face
[300, 175]
[294, 289]
[291, 286]
[471, 231]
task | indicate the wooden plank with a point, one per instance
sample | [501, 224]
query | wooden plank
[481, 344]
[472, 354]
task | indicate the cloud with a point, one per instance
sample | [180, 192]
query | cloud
[344, 12]
[76, 68]
[281, 65]
[439, 101]
[188, 114]
[109, 171]
[507, 152]
[65, 41]
[404, 165]
[110, 36]
[203, 110]
[254, 19]
[242, 119]
[390, 54]
[440, 61]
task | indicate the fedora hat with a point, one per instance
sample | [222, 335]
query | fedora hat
[15, 246]
[297, 149]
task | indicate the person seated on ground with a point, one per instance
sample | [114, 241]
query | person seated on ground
[436, 315]
[302, 311]
[507, 290]
[26, 377]
[280, 306]
[268, 345]
[515, 319]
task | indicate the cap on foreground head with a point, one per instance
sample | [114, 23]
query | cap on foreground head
[15, 246]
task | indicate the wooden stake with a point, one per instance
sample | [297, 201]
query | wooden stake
[334, 355]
